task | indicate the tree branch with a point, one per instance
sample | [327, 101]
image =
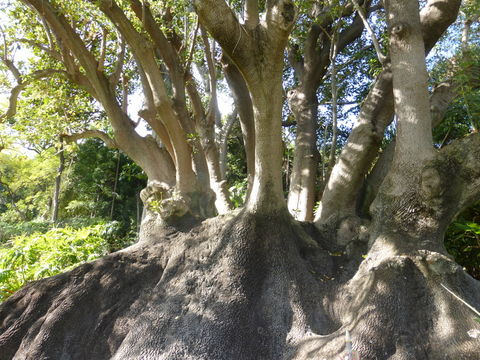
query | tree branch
[381, 57]
[229, 33]
[458, 183]
[166, 49]
[15, 92]
[188, 63]
[117, 72]
[110, 142]
[212, 76]
[251, 14]
[54, 54]
[103, 50]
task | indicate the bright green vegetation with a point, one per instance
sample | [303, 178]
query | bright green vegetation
[31, 257]
[99, 211]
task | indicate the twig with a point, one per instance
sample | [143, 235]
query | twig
[382, 58]
[460, 299]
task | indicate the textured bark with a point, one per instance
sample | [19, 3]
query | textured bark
[414, 143]
[310, 71]
[258, 54]
[301, 195]
[340, 194]
[243, 287]
[440, 100]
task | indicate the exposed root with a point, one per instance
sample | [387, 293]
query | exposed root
[398, 308]
[243, 286]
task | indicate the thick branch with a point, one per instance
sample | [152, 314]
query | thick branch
[377, 112]
[111, 143]
[251, 14]
[229, 33]
[72, 40]
[166, 49]
[457, 164]
[441, 98]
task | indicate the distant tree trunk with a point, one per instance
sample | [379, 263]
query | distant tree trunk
[58, 182]
[115, 184]
[310, 69]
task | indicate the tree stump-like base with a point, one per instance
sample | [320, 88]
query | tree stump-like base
[240, 287]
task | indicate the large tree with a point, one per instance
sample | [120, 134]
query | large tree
[254, 283]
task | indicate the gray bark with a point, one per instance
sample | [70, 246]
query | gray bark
[301, 196]
[310, 71]
[58, 183]
[340, 194]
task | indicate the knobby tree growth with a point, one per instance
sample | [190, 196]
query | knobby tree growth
[254, 283]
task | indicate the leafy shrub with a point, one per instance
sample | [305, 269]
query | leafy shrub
[32, 257]
[10, 230]
[462, 240]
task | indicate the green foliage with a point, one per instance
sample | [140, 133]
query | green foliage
[238, 193]
[32, 257]
[237, 167]
[463, 114]
[89, 187]
[26, 185]
[462, 240]
[11, 230]
[52, 107]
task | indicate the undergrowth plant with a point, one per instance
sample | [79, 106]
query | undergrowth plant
[31, 257]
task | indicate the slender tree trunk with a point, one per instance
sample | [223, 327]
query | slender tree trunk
[217, 182]
[58, 183]
[243, 104]
[115, 184]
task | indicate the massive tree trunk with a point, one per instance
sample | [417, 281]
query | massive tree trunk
[256, 284]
